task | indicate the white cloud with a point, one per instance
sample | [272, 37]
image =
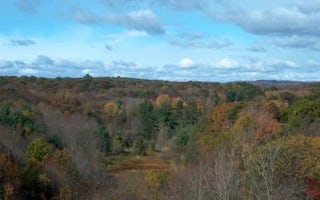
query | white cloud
[44, 60]
[186, 41]
[314, 63]
[141, 20]
[288, 20]
[283, 63]
[186, 63]
[116, 38]
[227, 69]
[293, 24]
[27, 71]
[295, 41]
[180, 5]
[227, 63]
[145, 20]
[89, 71]
[257, 47]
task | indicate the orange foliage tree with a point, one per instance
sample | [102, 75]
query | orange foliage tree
[67, 103]
[10, 178]
[161, 99]
[111, 109]
[218, 119]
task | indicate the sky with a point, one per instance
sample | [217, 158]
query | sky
[177, 40]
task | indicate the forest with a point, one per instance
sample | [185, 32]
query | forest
[132, 139]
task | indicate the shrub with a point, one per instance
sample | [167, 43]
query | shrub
[105, 140]
[55, 140]
[65, 193]
[182, 137]
[156, 180]
[37, 151]
[139, 147]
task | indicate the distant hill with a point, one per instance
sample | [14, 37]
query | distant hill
[276, 83]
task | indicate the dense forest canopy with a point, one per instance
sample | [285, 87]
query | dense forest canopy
[120, 138]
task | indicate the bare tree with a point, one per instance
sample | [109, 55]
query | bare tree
[264, 180]
[215, 177]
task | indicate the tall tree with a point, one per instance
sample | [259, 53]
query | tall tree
[148, 120]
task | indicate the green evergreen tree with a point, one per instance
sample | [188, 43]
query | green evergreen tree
[139, 147]
[104, 139]
[148, 120]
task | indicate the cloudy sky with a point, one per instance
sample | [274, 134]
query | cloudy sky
[205, 40]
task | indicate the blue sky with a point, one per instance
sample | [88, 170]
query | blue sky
[204, 40]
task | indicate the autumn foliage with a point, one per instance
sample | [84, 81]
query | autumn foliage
[118, 138]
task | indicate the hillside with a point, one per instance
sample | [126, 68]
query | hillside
[122, 138]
